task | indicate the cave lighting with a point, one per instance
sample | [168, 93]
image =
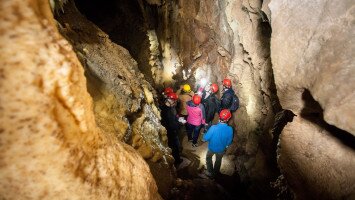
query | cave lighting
[251, 107]
[203, 82]
[201, 76]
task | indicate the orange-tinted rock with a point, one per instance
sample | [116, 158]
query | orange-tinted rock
[51, 147]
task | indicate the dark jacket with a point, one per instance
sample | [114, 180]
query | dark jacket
[211, 104]
[227, 98]
[169, 118]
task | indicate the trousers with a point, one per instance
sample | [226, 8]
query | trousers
[193, 132]
[213, 168]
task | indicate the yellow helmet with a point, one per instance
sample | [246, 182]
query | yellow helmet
[186, 88]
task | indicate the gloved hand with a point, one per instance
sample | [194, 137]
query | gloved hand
[182, 120]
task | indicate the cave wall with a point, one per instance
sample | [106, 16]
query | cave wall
[311, 61]
[124, 102]
[59, 141]
[129, 24]
[312, 56]
[218, 39]
[50, 144]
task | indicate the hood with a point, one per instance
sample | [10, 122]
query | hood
[191, 104]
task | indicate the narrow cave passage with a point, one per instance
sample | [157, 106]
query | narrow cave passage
[174, 44]
[127, 18]
[83, 113]
[128, 23]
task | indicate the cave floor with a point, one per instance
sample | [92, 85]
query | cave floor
[194, 184]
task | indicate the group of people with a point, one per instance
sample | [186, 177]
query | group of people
[197, 111]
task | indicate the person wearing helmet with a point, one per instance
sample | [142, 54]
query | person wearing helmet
[229, 99]
[185, 94]
[164, 96]
[219, 137]
[211, 103]
[195, 119]
[170, 122]
[167, 91]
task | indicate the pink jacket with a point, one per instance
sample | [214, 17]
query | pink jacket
[196, 114]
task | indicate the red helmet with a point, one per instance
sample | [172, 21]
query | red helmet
[196, 99]
[225, 115]
[227, 83]
[168, 90]
[214, 87]
[172, 96]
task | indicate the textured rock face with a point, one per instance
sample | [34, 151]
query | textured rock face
[50, 145]
[315, 163]
[251, 68]
[124, 103]
[218, 39]
[317, 55]
[131, 26]
[196, 38]
[312, 56]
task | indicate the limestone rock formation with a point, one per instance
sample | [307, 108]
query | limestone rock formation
[315, 163]
[51, 147]
[315, 51]
[312, 54]
[130, 25]
[218, 39]
[124, 102]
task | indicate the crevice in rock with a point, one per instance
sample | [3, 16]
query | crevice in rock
[313, 112]
[126, 24]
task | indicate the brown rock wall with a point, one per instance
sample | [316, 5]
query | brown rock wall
[218, 39]
[51, 147]
[124, 102]
[314, 51]
[314, 74]
[316, 164]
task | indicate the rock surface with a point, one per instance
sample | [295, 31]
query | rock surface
[50, 146]
[313, 62]
[218, 39]
[315, 163]
[124, 102]
[315, 51]
[129, 25]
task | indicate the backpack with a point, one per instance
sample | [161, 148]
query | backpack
[235, 103]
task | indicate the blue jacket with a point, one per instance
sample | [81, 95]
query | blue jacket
[219, 136]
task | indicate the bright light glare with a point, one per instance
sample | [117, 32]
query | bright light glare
[201, 76]
[203, 82]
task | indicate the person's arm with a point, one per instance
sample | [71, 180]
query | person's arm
[203, 114]
[208, 135]
[226, 101]
[173, 121]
